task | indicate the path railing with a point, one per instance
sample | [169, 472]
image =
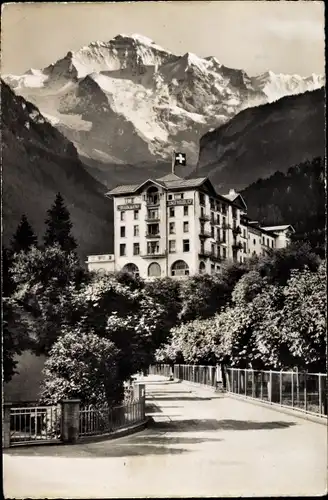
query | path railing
[96, 421]
[67, 422]
[306, 392]
[30, 424]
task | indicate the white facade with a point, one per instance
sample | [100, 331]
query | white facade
[178, 227]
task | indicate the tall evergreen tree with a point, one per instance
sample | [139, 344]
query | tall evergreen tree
[24, 237]
[59, 226]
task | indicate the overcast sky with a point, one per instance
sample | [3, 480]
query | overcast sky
[283, 36]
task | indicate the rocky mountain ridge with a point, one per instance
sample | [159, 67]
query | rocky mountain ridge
[37, 162]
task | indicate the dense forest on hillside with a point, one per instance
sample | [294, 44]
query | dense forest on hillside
[296, 197]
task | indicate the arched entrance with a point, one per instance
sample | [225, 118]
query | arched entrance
[154, 269]
[180, 268]
[131, 269]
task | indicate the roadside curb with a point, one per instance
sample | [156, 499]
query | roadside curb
[281, 409]
[116, 434]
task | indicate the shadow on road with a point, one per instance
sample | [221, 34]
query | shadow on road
[216, 425]
[183, 398]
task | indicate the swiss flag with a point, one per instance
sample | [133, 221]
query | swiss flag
[180, 159]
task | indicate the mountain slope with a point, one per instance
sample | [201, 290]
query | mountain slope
[296, 197]
[130, 101]
[261, 140]
[37, 162]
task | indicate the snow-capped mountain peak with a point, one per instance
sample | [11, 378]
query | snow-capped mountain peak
[130, 99]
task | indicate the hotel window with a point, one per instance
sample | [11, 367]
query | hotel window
[153, 247]
[202, 228]
[212, 249]
[153, 214]
[245, 249]
[212, 231]
[244, 233]
[271, 243]
[212, 268]
[122, 231]
[179, 196]
[136, 214]
[128, 201]
[136, 249]
[224, 253]
[202, 211]
[185, 227]
[218, 234]
[218, 250]
[224, 236]
[172, 228]
[234, 212]
[201, 198]
[268, 242]
[171, 246]
[218, 207]
[254, 242]
[171, 212]
[212, 203]
[170, 197]
[202, 248]
[122, 249]
[185, 210]
[135, 230]
[212, 217]
[218, 219]
[122, 215]
[224, 209]
[186, 246]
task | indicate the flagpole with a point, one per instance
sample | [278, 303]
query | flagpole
[173, 162]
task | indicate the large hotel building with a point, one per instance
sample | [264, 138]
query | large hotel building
[181, 227]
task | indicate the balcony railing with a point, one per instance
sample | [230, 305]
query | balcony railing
[152, 235]
[152, 201]
[204, 217]
[152, 219]
[237, 246]
[153, 255]
[236, 230]
[204, 254]
[205, 234]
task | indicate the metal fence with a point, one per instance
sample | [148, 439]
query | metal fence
[35, 424]
[302, 391]
[199, 374]
[102, 420]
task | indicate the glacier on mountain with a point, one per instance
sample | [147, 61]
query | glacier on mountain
[132, 100]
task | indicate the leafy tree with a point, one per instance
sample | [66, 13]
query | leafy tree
[44, 282]
[304, 325]
[277, 264]
[204, 295]
[24, 237]
[7, 282]
[166, 293]
[59, 226]
[14, 338]
[81, 365]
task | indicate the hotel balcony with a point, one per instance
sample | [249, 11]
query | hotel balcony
[236, 230]
[153, 235]
[158, 255]
[204, 217]
[152, 201]
[205, 254]
[152, 219]
[236, 246]
[205, 234]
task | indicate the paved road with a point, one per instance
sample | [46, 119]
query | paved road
[200, 444]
